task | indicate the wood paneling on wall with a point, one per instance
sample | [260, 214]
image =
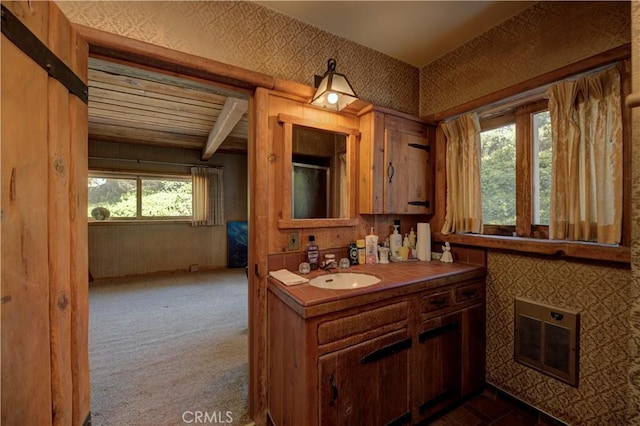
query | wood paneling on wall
[43, 298]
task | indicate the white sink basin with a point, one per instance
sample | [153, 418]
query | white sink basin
[344, 281]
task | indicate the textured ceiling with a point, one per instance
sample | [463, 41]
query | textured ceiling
[415, 32]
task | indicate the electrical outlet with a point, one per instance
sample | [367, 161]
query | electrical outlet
[294, 241]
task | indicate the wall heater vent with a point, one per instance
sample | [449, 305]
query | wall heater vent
[546, 339]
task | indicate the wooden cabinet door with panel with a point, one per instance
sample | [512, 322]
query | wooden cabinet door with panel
[438, 364]
[366, 384]
[406, 156]
[395, 171]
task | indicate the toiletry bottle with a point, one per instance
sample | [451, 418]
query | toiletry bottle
[405, 249]
[312, 252]
[412, 244]
[412, 239]
[361, 252]
[395, 242]
[353, 253]
[371, 244]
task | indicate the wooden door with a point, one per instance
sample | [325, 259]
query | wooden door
[44, 268]
[406, 168]
[438, 364]
[366, 384]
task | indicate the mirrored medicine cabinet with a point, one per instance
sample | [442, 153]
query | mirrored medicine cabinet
[318, 176]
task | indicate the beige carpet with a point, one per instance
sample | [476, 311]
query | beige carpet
[165, 349]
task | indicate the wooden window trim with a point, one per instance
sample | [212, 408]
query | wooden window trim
[524, 163]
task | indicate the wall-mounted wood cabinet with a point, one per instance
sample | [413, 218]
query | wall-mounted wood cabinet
[397, 361]
[395, 167]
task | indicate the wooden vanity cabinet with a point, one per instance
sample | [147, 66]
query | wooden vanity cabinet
[395, 168]
[367, 383]
[397, 361]
[449, 356]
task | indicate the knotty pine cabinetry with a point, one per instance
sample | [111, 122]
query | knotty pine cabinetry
[395, 170]
[396, 361]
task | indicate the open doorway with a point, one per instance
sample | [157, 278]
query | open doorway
[161, 285]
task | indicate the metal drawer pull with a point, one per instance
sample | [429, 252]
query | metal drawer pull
[438, 331]
[334, 390]
[419, 203]
[422, 147]
[469, 293]
[438, 302]
[390, 172]
[386, 351]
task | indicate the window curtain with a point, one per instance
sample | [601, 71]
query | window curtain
[586, 169]
[464, 193]
[208, 196]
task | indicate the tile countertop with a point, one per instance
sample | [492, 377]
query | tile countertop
[396, 279]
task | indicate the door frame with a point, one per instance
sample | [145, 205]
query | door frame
[119, 48]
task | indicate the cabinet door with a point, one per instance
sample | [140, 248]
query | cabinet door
[366, 384]
[406, 168]
[473, 349]
[438, 364]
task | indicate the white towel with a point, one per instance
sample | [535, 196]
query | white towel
[288, 278]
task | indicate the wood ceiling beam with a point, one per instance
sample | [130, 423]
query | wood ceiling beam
[232, 112]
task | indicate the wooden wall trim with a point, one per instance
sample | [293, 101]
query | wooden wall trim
[142, 53]
[557, 248]
[601, 59]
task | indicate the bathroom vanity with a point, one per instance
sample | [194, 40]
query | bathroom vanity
[396, 352]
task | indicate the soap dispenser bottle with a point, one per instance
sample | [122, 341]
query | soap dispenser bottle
[371, 245]
[395, 242]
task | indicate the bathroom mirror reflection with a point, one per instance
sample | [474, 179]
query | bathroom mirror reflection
[319, 174]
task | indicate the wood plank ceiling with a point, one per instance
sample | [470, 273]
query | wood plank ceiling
[134, 105]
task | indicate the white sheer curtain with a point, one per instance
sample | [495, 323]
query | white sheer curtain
[208, 196]
[586, 176]
[464, 193]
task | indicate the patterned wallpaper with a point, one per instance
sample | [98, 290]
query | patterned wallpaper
[601, 295]
[634, 343]
[544, 37]
[253, 37]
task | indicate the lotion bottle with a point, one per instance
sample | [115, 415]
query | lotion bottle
[395, 242]
[371, 245]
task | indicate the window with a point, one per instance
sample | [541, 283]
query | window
[541, 167]
[498, 175]
[516, 154]
[139, 197]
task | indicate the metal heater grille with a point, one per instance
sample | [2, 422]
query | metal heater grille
[546, 339]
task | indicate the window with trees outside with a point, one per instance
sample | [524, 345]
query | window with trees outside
[139, 197]
[515, 153]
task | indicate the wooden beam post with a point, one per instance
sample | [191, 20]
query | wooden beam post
[232, 112]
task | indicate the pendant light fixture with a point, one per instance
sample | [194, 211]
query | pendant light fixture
[333, 91]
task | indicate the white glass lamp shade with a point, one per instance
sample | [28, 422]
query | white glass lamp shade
[334, 91]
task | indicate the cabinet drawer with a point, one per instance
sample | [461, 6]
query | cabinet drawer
[374, 319]
[469, 292]
[436, 301]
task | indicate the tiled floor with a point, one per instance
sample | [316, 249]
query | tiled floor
[492, 409]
